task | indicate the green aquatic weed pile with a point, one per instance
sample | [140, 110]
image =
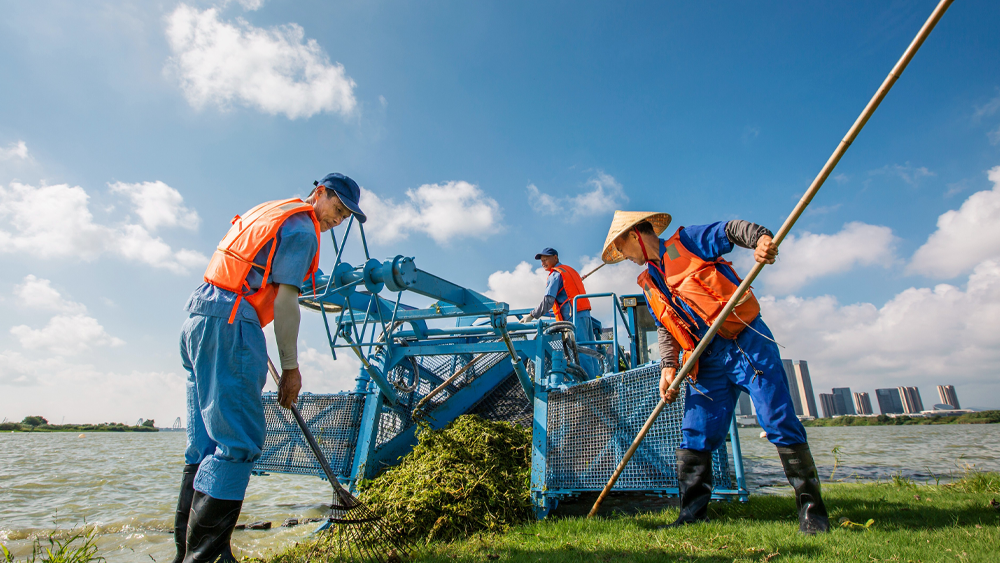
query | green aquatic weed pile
[472, 476]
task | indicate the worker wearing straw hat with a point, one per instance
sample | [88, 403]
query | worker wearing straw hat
[687, 283]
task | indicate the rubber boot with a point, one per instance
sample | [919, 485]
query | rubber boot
[801, 472]
[209, 529]
[694, 479]
[183, 510]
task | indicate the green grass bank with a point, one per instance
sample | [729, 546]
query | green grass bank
[982, 417]
[895, 521]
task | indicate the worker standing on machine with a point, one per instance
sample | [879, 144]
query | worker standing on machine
[563, 284]
[687, 284]
[255, 276]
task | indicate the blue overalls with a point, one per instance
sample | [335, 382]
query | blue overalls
[583, 322]
[227, 368]
[724, 370]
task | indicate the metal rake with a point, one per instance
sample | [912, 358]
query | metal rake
[358, 534]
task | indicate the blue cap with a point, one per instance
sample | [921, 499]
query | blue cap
[546, 252]
[347, 190]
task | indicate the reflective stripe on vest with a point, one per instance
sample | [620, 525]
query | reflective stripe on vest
[233, 258]
[573, 286]
[700, 285]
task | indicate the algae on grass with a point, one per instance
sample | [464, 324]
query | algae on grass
[471, 476]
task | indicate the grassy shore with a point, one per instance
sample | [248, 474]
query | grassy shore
[890, 521]
[103, 427]
[983, 417]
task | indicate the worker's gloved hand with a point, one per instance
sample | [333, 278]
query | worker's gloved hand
[766, 251]
[288, 387]
[666, 378]
[527, 318]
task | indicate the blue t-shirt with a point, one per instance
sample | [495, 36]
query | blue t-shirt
[707, 242]
[297, 245]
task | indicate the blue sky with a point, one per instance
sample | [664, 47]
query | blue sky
[130, 133]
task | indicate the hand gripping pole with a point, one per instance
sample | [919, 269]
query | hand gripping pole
[787, 226]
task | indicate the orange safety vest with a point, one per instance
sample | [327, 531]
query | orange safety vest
[573, 286]
[699, 285]
[234, 256]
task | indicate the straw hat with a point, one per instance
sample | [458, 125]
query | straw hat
[622, 223]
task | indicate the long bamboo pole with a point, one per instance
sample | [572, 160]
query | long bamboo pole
[780, 236]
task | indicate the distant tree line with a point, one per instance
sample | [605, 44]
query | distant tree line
[983, 417]
[40, 424]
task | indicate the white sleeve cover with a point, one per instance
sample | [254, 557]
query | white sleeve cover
[286, 325]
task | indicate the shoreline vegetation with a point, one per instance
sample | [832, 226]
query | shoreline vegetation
[895, 520]
[981, 417]
[39, 424]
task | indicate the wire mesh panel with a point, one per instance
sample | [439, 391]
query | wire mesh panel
[394, 421]
[333, 419]
[591, 425]
[506, 403]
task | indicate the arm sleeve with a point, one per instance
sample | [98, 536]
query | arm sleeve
[286, 325]
[545, 305]
[745, 233]
[668, 348]
[296, 247]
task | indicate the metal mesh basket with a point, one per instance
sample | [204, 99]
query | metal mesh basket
[506, 403]
[334, 420]
[591, 425]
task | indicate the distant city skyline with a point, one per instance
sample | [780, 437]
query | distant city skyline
[842, 401]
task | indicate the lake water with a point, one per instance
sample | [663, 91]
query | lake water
[126, 484]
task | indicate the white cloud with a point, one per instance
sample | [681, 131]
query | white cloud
[83, 393]
[809, 256]
[909, 174]
[445, 212]
[987, 109]
[923, 336]
[964, 237]
[65, 335]
[994, 136]
[18, 150]
[605, 195]
[275, 70]
[56, 222]
[158, 205]
[38, 293]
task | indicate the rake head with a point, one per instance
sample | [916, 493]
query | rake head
[356, 534]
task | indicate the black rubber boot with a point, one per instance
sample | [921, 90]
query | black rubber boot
[801, 472]
[694, 479]
[209, 529]
[183, 510]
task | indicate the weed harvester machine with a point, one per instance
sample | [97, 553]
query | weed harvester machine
[465, 353]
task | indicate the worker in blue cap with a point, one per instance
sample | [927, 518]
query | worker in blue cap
[562, 285]
[255, 276]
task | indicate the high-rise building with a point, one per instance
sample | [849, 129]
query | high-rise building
[948, 396]
[889, 401]
[863, 403]
[793, 385]
[744, 406]
[843, 401]
[807, 398]
[829, 408]
[911, 399]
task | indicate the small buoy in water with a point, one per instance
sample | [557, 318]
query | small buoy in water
[763, 434]
[81, 435]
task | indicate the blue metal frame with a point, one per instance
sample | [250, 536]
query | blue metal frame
[388, 335]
